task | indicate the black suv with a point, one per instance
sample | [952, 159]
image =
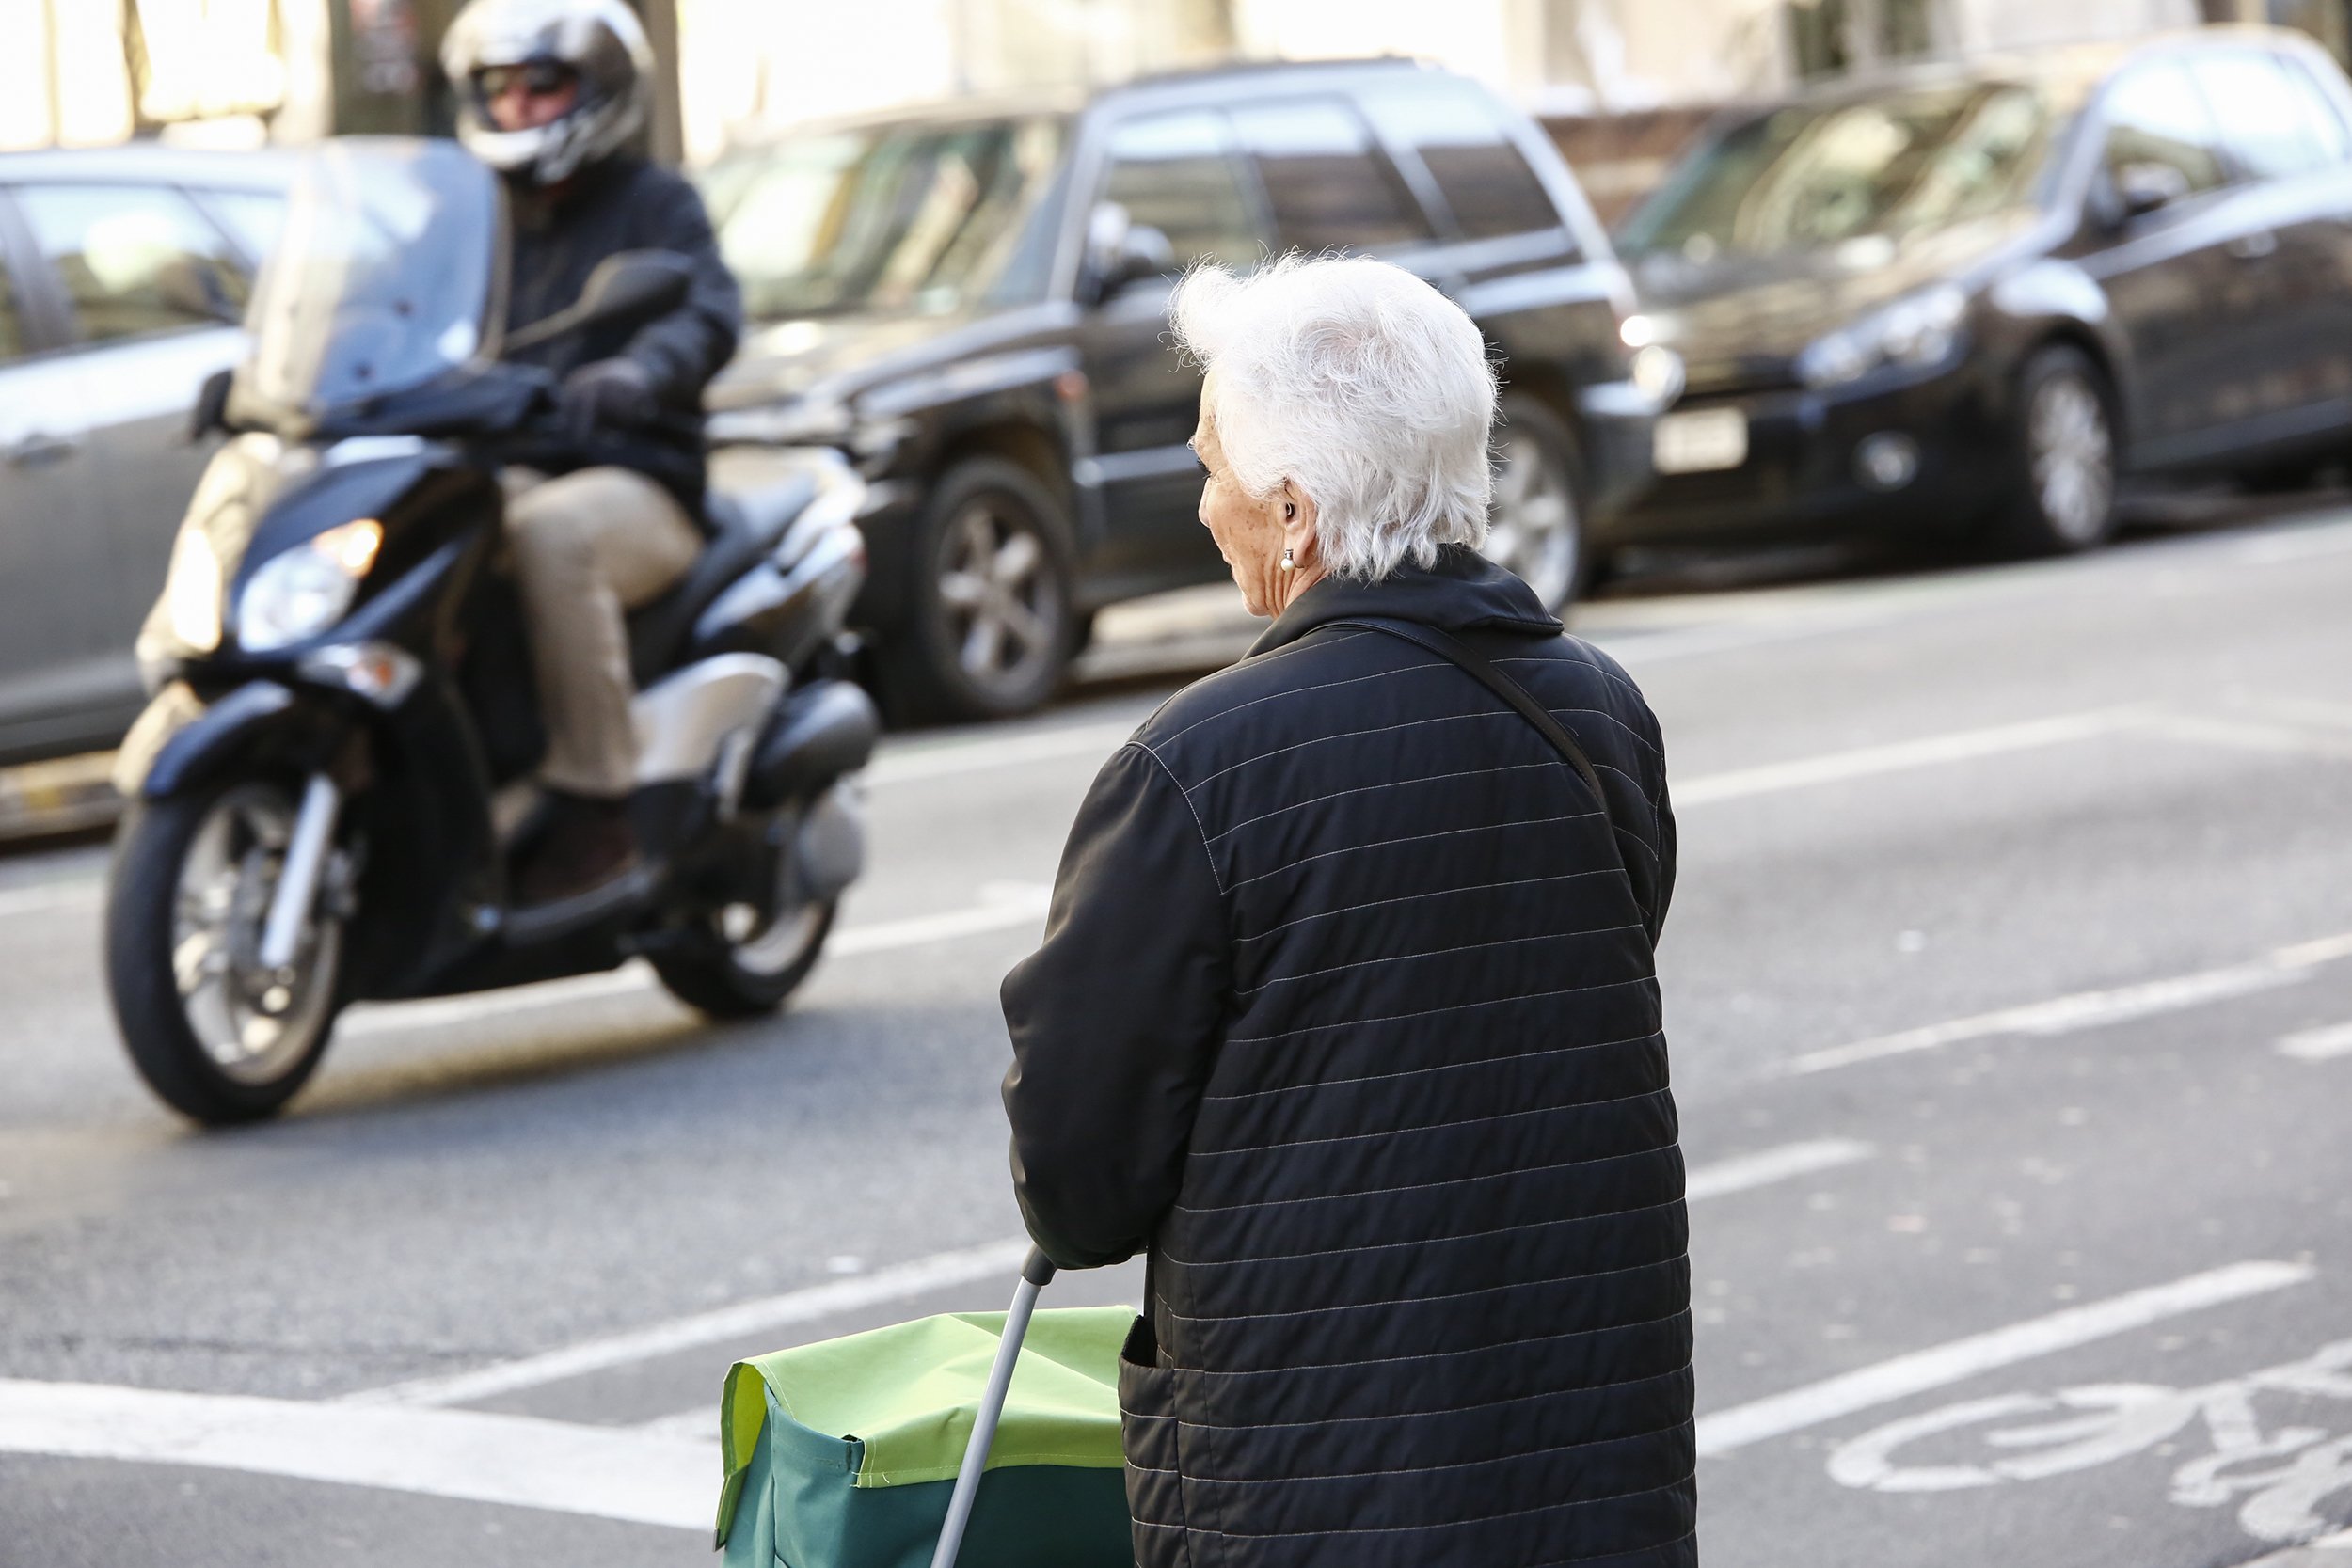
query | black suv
[971, 301]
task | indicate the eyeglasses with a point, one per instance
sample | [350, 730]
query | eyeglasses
[538, 78]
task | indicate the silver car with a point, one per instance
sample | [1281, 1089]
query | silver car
[123, 274]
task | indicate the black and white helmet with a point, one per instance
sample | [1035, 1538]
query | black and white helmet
[599, 42]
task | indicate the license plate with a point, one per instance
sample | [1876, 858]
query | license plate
[1700, 441]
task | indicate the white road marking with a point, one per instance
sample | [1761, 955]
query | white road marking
[738, 1322]
[954, 758]
[1867, 760]
[2090, 1009]
[50, 898]
[1902, 1376]
[1025, 906]
[2318, 1045]
[1761, 1169]
[520, 1461]
[2247, 734]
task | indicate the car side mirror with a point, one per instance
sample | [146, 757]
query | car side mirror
[2141, 188]
[631, 286]
[1121, 252]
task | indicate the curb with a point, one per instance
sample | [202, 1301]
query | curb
[62, 795]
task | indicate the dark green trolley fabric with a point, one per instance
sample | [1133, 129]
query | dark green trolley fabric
[842, 1454]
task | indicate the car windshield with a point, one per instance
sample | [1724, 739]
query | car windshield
[381, 281]
[907, 218]
[1817, 175]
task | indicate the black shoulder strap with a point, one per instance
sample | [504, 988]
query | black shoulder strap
[1511, 692]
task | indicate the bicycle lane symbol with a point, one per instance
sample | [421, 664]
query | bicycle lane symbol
[2283, 1475]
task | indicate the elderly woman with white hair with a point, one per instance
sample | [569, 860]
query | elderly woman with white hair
[1347, 1013]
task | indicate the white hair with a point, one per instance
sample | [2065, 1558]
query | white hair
[1359, 383]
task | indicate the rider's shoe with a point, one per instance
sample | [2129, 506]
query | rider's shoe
[584, 844]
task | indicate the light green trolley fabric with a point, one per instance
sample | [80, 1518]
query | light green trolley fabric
[842, 1454]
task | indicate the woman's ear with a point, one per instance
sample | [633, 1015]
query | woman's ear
[1298, 522]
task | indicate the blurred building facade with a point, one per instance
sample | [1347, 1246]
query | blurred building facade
[232, 72]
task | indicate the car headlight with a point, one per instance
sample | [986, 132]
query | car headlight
[1916, 331]
[192, 592]
[1657, 370]
[300, 593]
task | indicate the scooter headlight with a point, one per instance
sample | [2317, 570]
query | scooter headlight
[299, 593]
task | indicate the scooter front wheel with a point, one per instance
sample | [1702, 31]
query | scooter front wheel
[219, 1037]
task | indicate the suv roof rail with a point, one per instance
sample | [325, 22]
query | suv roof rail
[1260, 67]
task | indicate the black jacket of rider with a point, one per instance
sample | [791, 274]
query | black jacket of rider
[559, 237]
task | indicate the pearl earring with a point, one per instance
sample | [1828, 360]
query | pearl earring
[1288, 564]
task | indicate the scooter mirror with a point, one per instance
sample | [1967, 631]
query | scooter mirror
[632, 286]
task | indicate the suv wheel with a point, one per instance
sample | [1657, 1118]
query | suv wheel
[2065, 462]
[989, 630]
[1537, 525]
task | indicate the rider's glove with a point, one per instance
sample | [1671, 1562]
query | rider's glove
[605, 394]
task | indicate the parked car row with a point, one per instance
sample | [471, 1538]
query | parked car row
[972, 302]
[1967, 297]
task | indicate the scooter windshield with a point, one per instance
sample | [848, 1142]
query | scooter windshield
[385, 279]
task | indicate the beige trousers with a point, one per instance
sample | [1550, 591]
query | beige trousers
[588, 547]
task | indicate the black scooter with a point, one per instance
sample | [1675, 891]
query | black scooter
[332, 783]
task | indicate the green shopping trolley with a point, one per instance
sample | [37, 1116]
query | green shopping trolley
[968, 1440]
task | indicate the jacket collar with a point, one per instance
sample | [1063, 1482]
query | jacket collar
[1463, 591]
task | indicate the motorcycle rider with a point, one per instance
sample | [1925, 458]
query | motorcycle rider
[550, 93]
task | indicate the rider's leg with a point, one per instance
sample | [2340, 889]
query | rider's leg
[588, 546]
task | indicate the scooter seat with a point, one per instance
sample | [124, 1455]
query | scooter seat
[657, 630]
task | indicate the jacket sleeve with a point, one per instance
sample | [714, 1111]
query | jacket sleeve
[1115, 1019]
[683, 350]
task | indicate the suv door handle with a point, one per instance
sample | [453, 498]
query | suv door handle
[2254, 246]
[37, 449]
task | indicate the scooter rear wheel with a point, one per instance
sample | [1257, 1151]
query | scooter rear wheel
[218, 1040]
[745, 974]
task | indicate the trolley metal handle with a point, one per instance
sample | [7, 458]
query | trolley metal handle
[1035, 1272]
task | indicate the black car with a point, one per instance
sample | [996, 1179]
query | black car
[1972, 295]
[971, 301]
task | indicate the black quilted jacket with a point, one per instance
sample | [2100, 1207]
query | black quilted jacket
[1348, 1012]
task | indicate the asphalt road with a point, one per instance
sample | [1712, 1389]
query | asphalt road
[2010, 983]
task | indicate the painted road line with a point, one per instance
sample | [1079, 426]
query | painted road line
[1024, 907]
[520, 1461]
[1765, 1166]
[2251, 735]
[744, 1319]
[1869, 761]
[50, 898]
[954, 758]
[2318, 1045]
[921, 1277]
[2308, 1554]
[1920, 1371]
[2090, 1009]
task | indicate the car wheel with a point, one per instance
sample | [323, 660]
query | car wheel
[989, 630]
[1536, 528]
[2063, 498]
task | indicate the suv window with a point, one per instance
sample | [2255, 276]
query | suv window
[1330, 187]
[135, 260]
[1175, 173]
[2322, 117]
[12, 331]
[2154, 115]
[1464, 143]
[2262, 121]
[253, 219]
